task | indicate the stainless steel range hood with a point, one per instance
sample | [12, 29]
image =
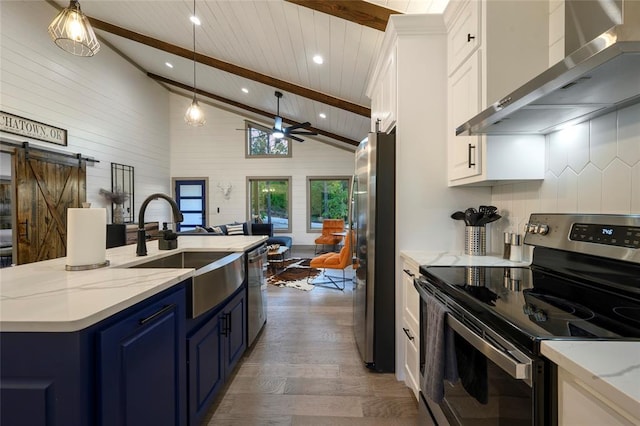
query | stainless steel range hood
[599, 77]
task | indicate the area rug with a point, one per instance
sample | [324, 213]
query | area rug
[294, 274]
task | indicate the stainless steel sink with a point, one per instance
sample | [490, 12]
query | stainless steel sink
[217, 276]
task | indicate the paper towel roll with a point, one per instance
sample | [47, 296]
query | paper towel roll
[86, 236]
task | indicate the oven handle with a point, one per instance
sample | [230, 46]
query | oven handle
[502, 358]
[515, 369]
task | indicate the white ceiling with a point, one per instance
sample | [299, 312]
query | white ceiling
[271, 37]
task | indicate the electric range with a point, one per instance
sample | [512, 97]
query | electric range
[583, 283]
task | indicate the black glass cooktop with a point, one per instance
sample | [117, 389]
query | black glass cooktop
[537, 304]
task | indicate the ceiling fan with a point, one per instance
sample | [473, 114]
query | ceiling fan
[289, 132]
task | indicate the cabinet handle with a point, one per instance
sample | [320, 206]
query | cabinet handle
[406, 331]
[408, 272]
[470, 37]
[471, 164]
[223, 331]
[226, 324]
[165, 309]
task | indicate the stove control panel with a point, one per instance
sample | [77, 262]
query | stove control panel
[605, 235]
[614, 235]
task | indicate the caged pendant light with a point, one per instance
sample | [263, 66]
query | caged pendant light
[194, 115]
[72, 32]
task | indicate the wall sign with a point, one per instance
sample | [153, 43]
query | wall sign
[32, 129]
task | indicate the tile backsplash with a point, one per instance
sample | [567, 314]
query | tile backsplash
[593, 167]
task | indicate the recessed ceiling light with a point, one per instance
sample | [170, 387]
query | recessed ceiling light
[322, 115]
[318, 59]
[245, 90]
[195, 20]
[169, 64]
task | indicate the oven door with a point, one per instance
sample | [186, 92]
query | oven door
[498, 385]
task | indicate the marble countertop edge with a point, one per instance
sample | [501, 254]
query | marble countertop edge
[612, 368]
[457, 258]
[44, 297]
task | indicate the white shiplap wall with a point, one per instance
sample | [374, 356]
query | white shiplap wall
[216, 151]
[593, 167]
[111, 110]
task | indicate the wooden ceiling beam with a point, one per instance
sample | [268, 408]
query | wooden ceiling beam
[248, 108]
[357, 11]
[230, 68]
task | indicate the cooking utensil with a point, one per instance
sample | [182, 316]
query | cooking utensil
[468, 216]
[492, 218]
[487, 210]
[476, 218]
[457, 215]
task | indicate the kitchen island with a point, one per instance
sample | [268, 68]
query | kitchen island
[104, 346]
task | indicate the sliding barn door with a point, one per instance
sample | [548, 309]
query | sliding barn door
[46, 185]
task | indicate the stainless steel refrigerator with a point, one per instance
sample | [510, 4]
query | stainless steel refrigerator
[373, 220]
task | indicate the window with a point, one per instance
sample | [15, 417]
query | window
[270, 201]
[261, 143]
[191, 198]
[328, 198]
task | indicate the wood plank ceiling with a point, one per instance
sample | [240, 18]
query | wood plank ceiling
[261, 46]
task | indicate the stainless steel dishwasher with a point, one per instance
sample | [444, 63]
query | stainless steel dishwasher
[256, 292]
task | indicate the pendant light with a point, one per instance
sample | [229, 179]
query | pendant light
[72, 32]
[194, 115]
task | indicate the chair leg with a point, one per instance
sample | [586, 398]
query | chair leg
[329, 280]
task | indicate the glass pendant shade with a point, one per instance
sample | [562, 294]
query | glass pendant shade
[72, 32]
[194, 115]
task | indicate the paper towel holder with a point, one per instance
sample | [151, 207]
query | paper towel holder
[86, 267]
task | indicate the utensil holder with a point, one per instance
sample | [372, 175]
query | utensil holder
[475, 240]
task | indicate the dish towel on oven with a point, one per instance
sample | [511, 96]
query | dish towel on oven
[440, 357]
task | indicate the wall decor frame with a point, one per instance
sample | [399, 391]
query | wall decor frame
[122, 179]
[21, 126]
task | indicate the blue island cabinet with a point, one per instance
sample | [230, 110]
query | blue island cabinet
[214, 346]
[142, 366]
[127, 369]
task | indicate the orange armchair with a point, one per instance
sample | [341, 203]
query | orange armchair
[330, 227]
[336, 261]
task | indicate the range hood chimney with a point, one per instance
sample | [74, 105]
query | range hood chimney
[598, 77]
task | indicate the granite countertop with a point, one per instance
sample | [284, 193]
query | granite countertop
[611, 368]
[44, 297]
[456, 258]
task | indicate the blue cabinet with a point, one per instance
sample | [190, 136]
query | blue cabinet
[142, 366]
[215, 346]
[128, 367]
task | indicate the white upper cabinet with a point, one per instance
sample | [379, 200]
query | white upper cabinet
[384, 94]
[463, 37]
[494, 47]
[464, 102]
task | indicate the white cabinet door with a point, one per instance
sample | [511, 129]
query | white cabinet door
[384, 102]
[376, 108]
[464, 36]
[464, 102]
[411, 327]
[579, 404]
[389, 93]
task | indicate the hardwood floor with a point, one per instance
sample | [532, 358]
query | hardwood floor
[304, 369]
